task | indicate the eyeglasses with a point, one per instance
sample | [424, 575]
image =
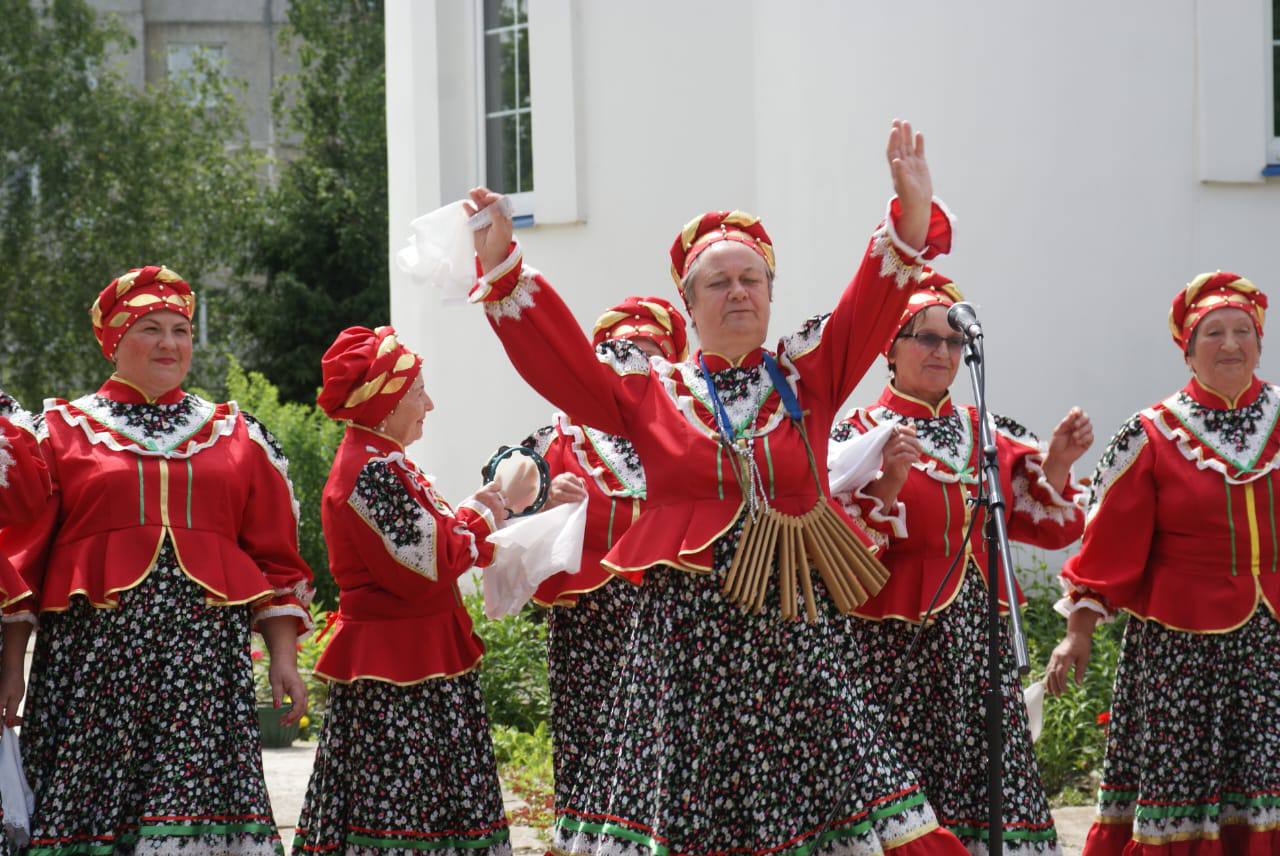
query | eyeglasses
[930, 341]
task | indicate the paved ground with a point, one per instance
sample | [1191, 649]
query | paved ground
[289, 769]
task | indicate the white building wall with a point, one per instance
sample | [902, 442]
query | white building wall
[1067, 138]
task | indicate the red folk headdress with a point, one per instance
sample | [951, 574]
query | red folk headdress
[365, 374]
[934, 289]
[136, 293]
[711, 228]
[645, 318]
[1209, 292]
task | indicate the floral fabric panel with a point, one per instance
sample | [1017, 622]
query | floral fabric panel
[1122, 450]
[947, 439]
[1237, 436]
[408, 530]
[622, 459]
[155, 427]
[806, 338]
[623, 357]
[743, 390]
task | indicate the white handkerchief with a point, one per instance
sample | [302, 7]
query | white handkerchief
[1033, 697]
[15, 796]
[441, 252]
[856, 461]
[530, 550]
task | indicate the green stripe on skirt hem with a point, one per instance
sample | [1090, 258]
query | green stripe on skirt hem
[159, 830]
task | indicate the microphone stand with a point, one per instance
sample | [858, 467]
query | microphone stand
[999, 571]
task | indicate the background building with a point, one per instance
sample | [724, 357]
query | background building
[1097, 155]
[241, 35]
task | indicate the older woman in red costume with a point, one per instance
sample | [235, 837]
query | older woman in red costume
[170, 532]
[919, 508]
[734, 731]
[405, 761]
[590, 620]
[1181, 534]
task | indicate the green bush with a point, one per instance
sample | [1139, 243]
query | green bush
[310, 440]
[1072, 742]
[513, 673]
[524, 762]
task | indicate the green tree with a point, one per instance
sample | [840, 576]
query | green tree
[97, 176]
[324, 247]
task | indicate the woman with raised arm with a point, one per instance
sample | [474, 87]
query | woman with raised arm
[919, 507]
[405, 761]
[171, 532]
[1181, 534]
[590, 619]
[733, 726]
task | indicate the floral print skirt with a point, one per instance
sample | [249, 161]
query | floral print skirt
[141, 731]
[738, 733]
[405, 769]
[1193, 745]
[938, 720]
[584, 645]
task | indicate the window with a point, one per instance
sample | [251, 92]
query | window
[184, 60]
[507, 129]
[1275, 82]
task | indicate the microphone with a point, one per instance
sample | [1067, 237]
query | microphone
[964, 319]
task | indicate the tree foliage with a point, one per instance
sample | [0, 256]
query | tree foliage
[97, 176]
[324, 247]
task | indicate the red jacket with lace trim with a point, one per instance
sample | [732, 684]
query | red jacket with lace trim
[927, 527]
[615, 496]
[692, 496]
[1182, 527]
[215, 485]
[396, 550]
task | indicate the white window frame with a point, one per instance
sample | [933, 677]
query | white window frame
[216, 50]
[523, 202]
[1273, 150]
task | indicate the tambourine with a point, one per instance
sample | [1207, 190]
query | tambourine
[489, 473]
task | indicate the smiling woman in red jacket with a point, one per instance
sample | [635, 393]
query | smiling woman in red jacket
[920, 509]
[171, 530]
[1181, 535]
[405, 761]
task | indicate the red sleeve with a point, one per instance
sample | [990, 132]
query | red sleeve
[24, 476]
[1120, 525]
[269, 529]
[1038, 514]
[549, 350]
[26, 544]
[833, 353]
[409, 543]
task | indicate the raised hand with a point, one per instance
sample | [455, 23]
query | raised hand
[1071, 439]
[493, 240]
[911, 182]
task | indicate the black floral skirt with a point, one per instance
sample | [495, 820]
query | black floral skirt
[584, 645]
[938, 720]
[736, 733]
[1193, 745]
[405, 770]
[141, 731]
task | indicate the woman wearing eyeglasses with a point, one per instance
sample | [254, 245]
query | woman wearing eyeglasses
[919, 508]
